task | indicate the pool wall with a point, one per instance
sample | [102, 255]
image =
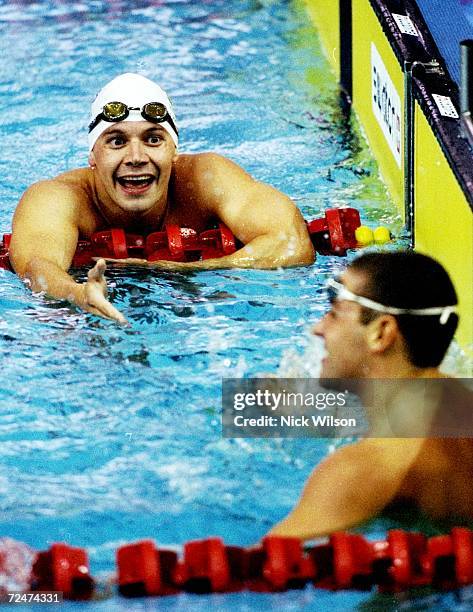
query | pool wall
[426, 164]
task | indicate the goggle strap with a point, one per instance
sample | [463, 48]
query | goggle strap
[344, 293]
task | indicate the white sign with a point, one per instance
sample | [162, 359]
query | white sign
[445, 106]
[405, 24]
[386, 104]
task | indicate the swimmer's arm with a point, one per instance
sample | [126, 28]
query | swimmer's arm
[44, 239]
[350, 487]
[265, 220]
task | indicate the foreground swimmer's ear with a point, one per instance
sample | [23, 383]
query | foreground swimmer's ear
[92, 163]
[382, 333]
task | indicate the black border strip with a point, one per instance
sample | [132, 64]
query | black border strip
[346, 48]
[409, 48]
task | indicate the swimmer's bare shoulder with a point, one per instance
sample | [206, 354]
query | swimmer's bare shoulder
[79, 187]
[50, 217]
[71, 192]
[212, 177]
[207, 178]
[207, 181]
[439, 479]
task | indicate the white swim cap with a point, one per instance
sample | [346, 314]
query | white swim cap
[135, 91]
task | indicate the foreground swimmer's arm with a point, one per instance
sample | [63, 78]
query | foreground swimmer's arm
[265, 220]
[44, 239]
[350, 487]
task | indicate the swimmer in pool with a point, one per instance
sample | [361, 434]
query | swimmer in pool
[393, 316]
[138, 181]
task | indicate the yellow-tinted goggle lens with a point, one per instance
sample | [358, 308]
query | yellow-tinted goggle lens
[115, 111]
[155, 110]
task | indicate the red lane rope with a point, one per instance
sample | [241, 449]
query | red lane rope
[331, 235]
[346, 561]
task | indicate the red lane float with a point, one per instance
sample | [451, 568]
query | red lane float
[145, 570]
[208, 566]
[347, 561]
[63, 568]
[335, 232]
[449, 559]
[344, 563]
[279, 564]
[331, 235]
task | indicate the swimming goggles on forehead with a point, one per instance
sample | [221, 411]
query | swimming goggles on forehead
[155, 112]
[337, 291]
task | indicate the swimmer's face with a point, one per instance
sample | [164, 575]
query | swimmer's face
[345, 337]
[133, 162]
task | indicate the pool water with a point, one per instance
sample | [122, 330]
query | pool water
[112, 434]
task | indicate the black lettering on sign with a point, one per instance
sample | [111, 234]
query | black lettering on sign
[375, 85]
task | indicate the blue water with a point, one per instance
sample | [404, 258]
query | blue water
[108, 434]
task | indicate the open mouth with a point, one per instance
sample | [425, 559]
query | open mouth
[136, 184]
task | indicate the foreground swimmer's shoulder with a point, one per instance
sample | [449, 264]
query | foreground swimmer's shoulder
[68, 197]
[200, 165]
[200, 178]
[77, 176]
[80, 182]
[77, 183]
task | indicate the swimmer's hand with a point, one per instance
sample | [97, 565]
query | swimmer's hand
[95, 294]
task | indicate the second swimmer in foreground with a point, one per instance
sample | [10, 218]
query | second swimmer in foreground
[393, 316]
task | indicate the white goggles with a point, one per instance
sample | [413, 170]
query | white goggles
[337, 291]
